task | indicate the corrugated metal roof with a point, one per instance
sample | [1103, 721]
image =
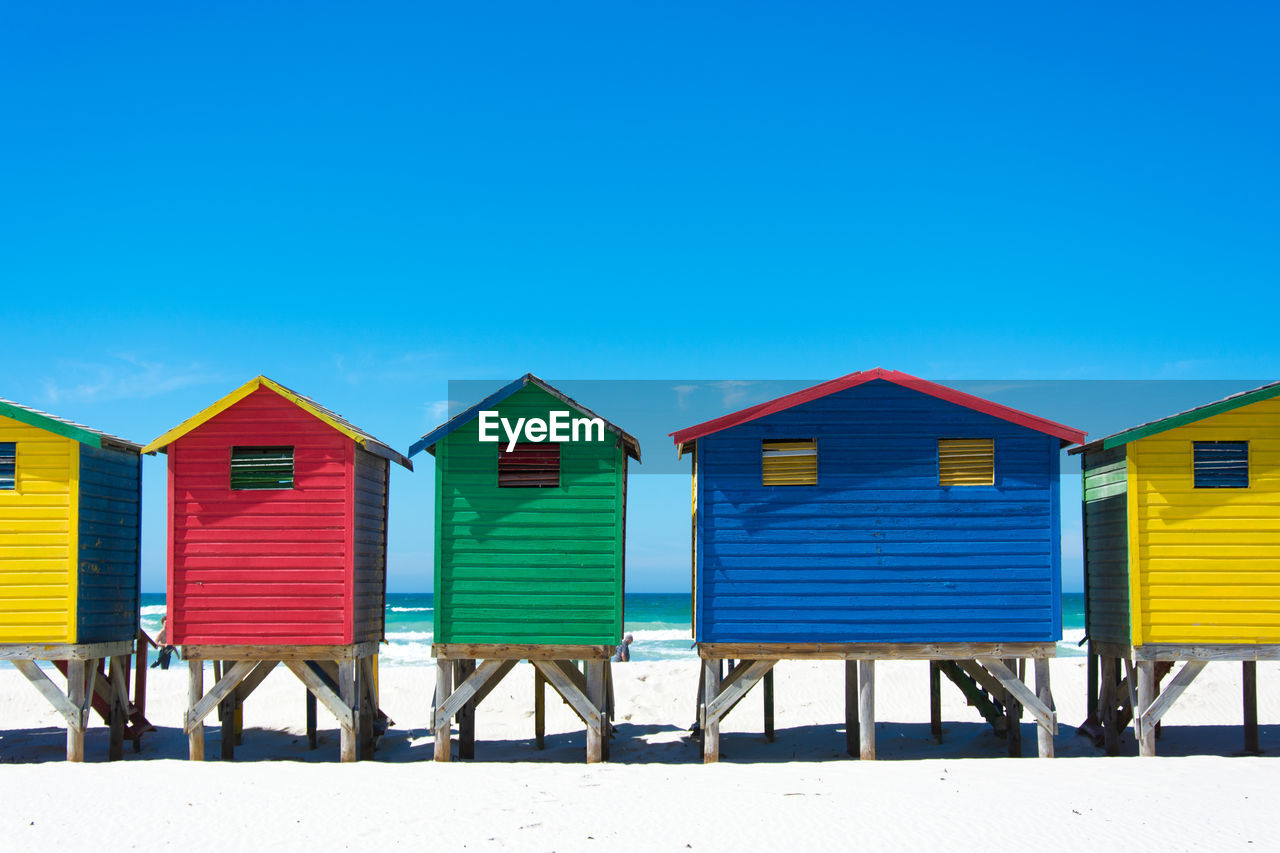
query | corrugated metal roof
[429, 441]
[1199, 413]
[63, 427]
[1067, 434]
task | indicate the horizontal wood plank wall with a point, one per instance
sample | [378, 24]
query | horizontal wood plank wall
[529, 565]
[370, 545]
[1209, 559]
[877, 551]
[1106, 545]
[37, 584]
[266, 566]
[110, 503]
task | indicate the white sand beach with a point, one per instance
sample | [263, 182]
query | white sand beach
[801, 791]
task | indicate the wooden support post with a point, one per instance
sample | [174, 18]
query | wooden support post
[607, 716]
[367, 694]
[348, 685]
[311, 720]
[139, 682]
[76, 694]
[1013, 710]
[1251, 706]
[467, 713]
[444, 687]
[539, 708]
[768, 706]
[1146, 696]
[1108, 705]
[710, 724]
[118, 690]
[867, 709]
[1044, 737]
[595, 695]
[195, 692]
[1091, 709]
[851, 707]
[935, 700]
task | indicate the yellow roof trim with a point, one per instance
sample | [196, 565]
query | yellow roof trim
[306, 405]
[196, 420]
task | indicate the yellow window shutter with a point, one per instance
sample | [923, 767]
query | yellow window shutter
[790, 462]
[966, 461]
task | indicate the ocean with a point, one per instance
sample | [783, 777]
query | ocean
[659, 623]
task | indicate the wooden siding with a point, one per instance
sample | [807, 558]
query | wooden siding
[37, 542]
[370, 487]
[878, 551]
[1207, 560]
[520, 565]
[108, 586]
[1106, 545]
[269, 567]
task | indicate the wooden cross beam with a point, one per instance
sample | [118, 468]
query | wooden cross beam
[322, 691]
[1151, 715]
[1022, 694]
[475, 687]
[224, 688]
[735, 686]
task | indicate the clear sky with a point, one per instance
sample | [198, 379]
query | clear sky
[365, 201]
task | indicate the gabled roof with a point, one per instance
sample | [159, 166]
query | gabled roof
[429, 441]
[1199, 413]
[62, 426]
[308, 405]
[1067, 434]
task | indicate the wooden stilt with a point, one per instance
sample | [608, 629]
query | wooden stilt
[139, 681]
[595, 695]
[539, 708]
[195, 692]
[768, 706]
[1146, 696]
[444, 686]
[467, 715]
[348, 677]
[1013, 710]
[368, 696]
[1250, 675]
[1109, 702]
[867, 709]
[935, 700]
[851, 728]
[76, 694]
[118, 689]
[1044, 737]
[710, 723]
[608, 707]
[311, 720]
[227, 717]
[1091, 686]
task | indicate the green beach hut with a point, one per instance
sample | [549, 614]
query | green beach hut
[530, 527]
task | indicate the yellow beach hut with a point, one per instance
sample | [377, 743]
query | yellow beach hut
[69, 564]
[1182, 558]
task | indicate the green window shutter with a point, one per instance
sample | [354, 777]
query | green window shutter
[966, 462]
[261, 468]
[8, 466]
[790, 462]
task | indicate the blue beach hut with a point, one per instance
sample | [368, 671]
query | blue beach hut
[878, 516]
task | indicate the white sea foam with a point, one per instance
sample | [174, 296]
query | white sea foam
[401, 636]
[153, 610]
[399, 654]
[411, 609]
[660, 635]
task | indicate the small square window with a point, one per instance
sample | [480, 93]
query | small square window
[256, 468]
[790, 462]
[1221, 464]
[8, 466]
[533, 464]
[966, 461]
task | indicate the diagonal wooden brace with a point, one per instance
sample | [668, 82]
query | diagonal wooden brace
[568, 689]
[476, 686]
[322, 691]
[1022, 694]
[224, 688]
[743, 677]
[49, 690]
[1169, 695]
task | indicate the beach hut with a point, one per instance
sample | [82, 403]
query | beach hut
[530, 526]
[69, 529]
[878, 516]
[1182, 557]
[277, 553]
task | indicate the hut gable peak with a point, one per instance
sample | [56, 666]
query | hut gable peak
[332, 419]
[429, 441]
[686, 437]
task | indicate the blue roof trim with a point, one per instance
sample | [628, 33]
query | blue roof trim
[463, 418]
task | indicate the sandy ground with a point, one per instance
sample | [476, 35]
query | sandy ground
[800, 791]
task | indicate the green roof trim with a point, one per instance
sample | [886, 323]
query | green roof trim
[1266, 392]
[50, 424]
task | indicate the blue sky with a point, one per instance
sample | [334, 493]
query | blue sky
[365, 202]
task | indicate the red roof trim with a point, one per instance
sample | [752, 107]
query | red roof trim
[951, 395]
